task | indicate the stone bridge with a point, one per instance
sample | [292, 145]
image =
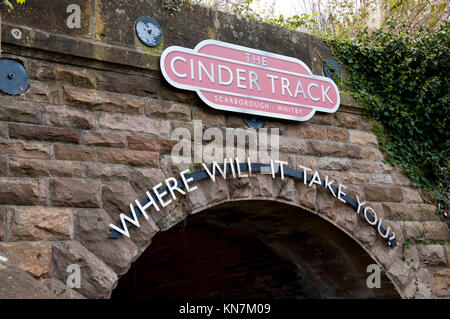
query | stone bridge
[93, 133]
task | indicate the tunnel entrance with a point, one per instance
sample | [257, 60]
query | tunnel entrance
[252, 249]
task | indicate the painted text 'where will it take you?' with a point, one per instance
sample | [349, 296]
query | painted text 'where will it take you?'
[164, 193]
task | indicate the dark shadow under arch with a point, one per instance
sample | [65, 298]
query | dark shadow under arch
[252, 249]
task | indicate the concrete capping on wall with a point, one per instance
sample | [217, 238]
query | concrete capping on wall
[109, 33]
[103, 52]
[59, 43]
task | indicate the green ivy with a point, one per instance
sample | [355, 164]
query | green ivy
[403, 83]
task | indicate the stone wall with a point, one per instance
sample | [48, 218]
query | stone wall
[92, 133]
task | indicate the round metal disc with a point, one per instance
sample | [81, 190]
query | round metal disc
[253, 122]
[149, 31]
[13, 77]
[332, 69]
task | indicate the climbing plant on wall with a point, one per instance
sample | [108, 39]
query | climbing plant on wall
[403, 82]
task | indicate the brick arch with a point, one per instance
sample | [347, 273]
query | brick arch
[105, 259]
[243, 236]
[315, 200]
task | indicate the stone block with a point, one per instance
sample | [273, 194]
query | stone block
[43, 92]
[97, 279]
[32, 257]
[363, 138]
[34, 168]
[433, 255]
[73, 153]
[104, 139]
[441, 282]
[142, 143]
[134, 124]
[411, 195]
[92, 229]
[106, 171]
[305, 130]
[168, 110]
[39, 223]
[334, 163]
[95, 100]
[436, 230]
[20, 111]
[74, 192]
[337, 134]
[61, 116]
[144, 179]
[25, 149]
[128, 157]
[383, 194]
[57, 72]
[208, 116]
[15, 191]
[346, 120]
[44, 133]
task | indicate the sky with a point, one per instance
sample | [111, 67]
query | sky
[285, 7]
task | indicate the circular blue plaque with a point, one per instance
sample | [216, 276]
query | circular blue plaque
[13, 77]
[253, 122]
[149, 31]
[332, 69]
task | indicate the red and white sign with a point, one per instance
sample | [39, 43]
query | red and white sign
[239, 79]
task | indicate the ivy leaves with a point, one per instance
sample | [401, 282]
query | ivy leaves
[403, 83]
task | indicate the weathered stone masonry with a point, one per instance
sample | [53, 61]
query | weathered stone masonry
[93, 133]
